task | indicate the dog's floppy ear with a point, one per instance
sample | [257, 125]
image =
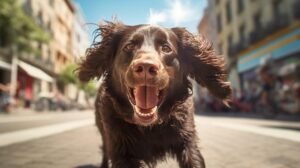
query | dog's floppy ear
[99, 57]
[201, 63]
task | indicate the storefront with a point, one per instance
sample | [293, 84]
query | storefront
[32, 82]
[283, 52]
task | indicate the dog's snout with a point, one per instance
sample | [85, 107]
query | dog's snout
[145, 68]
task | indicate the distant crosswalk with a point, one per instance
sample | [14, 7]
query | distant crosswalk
[65, 122]
[39, 132]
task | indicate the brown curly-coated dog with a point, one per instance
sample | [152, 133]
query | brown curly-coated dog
[144, 108]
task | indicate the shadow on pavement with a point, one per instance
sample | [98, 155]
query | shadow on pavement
[87, 166]
[252, 115]
[294, 128]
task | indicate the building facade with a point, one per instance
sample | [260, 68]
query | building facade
[56, 18]
[206, 27]
[33, 75]
[249, 32]
[80, 36]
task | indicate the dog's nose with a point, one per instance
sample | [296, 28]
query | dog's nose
[145, 68]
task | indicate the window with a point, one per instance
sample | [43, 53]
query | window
[220, 47]
[49, 28]
[27, 7]
[40, 18]
[57, 56]
[50, 86]
[230, 45]
[51, 2]
[230, 40]
[242, 33]
[64, 60]
[228, 12]
[240, 5]
[277, 7]
[257, 21]
[219, 23]
[296, 11]
[49, 53]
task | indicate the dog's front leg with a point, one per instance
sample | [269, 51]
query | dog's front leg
[124, 162]
[189, 156]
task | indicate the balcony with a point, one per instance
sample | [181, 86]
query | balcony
[233, 50]
[255, 36]
[280, 21]
[296, 11]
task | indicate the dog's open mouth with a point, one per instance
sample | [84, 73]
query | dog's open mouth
[146, 100]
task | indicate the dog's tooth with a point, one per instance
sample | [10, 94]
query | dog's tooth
[153, 111]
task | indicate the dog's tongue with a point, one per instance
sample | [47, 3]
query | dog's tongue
[145, 97]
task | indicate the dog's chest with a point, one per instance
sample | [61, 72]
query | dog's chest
[158, 140]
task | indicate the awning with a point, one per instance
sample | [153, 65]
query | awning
[35, 72]
[5, 65]
[281, 47]
[287, 69]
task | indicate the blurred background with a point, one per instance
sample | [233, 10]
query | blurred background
[41, 42]
[260, 42]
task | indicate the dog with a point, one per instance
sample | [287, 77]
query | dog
[144, 107]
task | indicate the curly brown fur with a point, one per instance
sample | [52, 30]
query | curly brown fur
[203, 64]
[145, 70]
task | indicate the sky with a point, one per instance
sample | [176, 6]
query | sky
[167, 13]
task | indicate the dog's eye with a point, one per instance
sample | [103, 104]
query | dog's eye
[165, 48]
[129, 47]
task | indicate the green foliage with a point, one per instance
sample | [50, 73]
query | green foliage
[67, 76]
[17, 28]
[90, 89]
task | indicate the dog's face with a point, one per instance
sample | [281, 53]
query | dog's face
[148, 63]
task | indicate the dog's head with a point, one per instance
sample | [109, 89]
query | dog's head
[148, 66]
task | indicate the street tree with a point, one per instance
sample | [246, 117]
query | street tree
[68, 76]
[19, 29]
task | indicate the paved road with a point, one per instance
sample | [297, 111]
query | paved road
[70, 140]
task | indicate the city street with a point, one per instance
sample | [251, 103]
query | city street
[70, 140]
[54, 56]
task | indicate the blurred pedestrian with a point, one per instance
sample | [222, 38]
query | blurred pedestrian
[269, 100]
[268, 83]
[5, 97]
[240, 102]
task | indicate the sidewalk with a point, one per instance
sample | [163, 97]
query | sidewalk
[19, 111]
[224, 142]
